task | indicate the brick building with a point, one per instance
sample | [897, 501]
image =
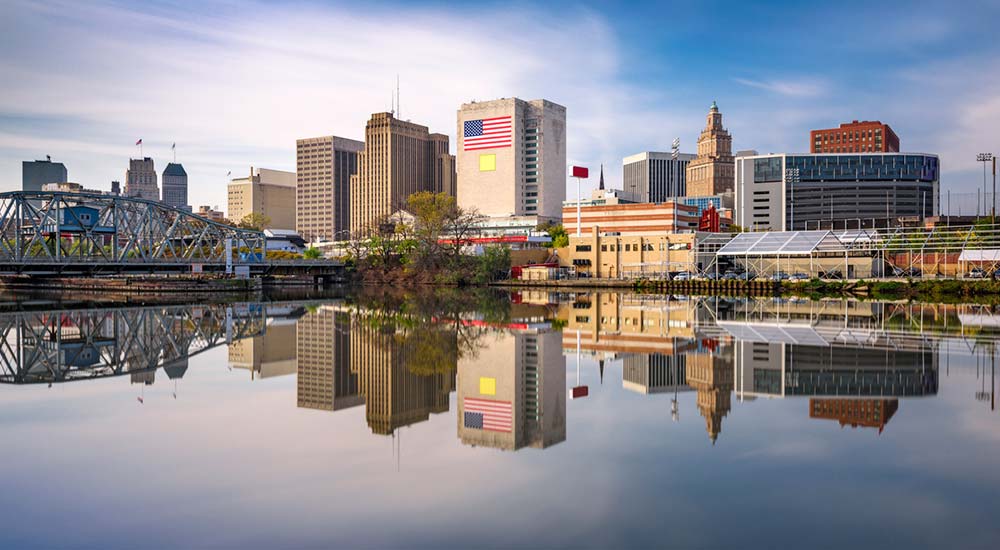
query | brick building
[866, 136]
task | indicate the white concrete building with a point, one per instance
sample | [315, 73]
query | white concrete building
[512, 158]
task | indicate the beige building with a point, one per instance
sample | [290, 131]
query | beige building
[512, 393]
[400, 158]
[324, 166]
[635, 256]
[631, 219]
[512, 158]
[269, 354]
[141, 180]
[713, 171]
[206, 211]
[267, 192]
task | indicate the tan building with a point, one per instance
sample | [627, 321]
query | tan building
[713, 171]
[324, 166]
[614, 256]
[512, 393]
[206, 211]
[611, 323]
[325, 381]
[141, 180]
[269, 354]
[394, 395]
[512, 157]
[400, 158]
[267, 192]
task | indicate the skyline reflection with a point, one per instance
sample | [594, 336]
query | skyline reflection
[506, 357]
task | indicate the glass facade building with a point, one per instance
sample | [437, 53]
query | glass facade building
[811, 191]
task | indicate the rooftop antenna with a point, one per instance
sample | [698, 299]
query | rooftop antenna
[398, 110]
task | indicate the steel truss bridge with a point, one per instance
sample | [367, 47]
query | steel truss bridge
[46, 347]
[48, 233]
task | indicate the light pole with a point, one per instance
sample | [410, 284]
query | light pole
[985, 158]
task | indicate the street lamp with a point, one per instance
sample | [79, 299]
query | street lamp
[985, 158]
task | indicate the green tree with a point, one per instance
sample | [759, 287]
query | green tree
[255, 221]
[558, 234]
[312, 253]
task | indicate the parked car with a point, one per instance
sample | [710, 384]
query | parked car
[976, 273]
[996, 275]
[779, 276]
[795, 277]
[682, 276]
[745, 276]
[711, 276]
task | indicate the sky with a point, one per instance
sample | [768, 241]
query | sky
[234, 84]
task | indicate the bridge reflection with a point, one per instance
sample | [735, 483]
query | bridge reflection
[47, 347]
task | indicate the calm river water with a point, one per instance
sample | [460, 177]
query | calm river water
[472, 419]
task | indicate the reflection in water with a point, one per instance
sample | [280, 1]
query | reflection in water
[402, 356]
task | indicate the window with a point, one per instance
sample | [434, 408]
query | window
[604, 248]
[583, 248]
[487, 163]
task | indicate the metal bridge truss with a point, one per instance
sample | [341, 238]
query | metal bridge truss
[74, 228]
[63, 346]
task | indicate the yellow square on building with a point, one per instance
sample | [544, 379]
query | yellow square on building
[487, 386]
[487, 163]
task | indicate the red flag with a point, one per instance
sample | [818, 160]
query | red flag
[580, 172]
[139, 142]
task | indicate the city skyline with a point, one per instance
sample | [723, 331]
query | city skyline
[79, 105]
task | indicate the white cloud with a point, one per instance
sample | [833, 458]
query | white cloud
[798, 87]
[239, 87]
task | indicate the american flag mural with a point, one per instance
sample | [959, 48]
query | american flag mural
[486, 414]
[487, 133]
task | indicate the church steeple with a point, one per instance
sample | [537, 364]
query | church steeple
[601, 186]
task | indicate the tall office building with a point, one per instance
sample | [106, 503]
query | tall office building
[396, 396]
[400, 158]
[512, 394]
[655, 177]
[324, 166]
[36, 173]
[512, 158]
[267, 192]
[325, 381]
[141, 180]
[711, 172]
[867, 136]
[175, 186]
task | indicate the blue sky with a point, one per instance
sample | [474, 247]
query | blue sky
[235, 83]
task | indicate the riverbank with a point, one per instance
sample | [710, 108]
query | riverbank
[934, 290]
[127, 285]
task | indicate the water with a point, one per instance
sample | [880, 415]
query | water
[357, 421]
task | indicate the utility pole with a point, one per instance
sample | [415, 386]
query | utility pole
[985, 158]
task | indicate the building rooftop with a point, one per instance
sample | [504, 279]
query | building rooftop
[174, 169]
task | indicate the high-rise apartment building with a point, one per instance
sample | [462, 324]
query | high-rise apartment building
[867, 136]
[711, 172]
[36, 173]
[655, 177]
[175, 186]
[324, 166]
[267, 192]
[400, 158]
[141, 180]
[512, 158]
